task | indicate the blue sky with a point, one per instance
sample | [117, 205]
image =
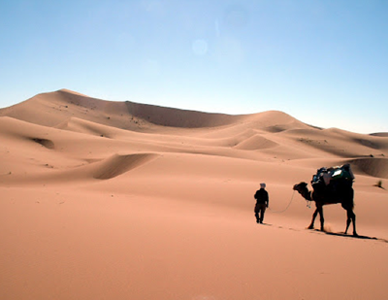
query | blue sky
[324, 62]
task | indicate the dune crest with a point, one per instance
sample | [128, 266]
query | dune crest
[376, 167]
[44, 142]
[256, 142]
[55, 108]
[119, 164]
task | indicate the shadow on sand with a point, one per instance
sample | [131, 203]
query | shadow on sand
[361, 237]
[339, 234]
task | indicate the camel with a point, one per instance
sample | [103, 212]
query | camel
[341, 193]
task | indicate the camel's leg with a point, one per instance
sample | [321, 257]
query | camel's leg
[348, 220]
[320, 211]
[351, 218]
[354, 224]
[311, 226]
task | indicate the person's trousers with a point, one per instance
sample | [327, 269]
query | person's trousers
[259, 212]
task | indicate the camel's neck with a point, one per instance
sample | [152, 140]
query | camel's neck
[306, 194]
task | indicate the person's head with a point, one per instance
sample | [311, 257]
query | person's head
[262, 185]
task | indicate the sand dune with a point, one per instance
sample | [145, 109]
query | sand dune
[119, 164]
[120, 200]
[256, 142]
[376, 167]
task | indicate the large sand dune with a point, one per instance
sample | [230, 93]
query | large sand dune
[119, 200]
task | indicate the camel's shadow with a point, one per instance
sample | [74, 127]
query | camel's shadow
[339, 234]
[342, 234]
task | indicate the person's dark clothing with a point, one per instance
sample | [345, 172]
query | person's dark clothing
[262, 200]
[261, 196]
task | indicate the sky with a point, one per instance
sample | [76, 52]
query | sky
[324, 62]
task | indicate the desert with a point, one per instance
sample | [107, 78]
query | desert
[121, 200]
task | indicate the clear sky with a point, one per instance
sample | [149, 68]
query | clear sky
[325, 62]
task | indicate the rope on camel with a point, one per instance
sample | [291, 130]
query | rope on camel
[281, 211]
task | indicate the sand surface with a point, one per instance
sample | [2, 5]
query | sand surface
[118, 200]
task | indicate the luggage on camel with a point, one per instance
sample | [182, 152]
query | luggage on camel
[330, 177]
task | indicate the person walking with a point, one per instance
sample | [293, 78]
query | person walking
[262, 200]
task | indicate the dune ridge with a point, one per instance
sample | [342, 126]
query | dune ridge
[121, 200]
[376, 167]
[54, 108]
[270, 136]
[119, 164]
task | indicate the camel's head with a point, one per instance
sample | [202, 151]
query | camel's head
[300, 186]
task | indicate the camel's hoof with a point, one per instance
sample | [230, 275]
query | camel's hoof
[355, 234]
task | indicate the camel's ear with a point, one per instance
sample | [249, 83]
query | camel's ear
[303, 184]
